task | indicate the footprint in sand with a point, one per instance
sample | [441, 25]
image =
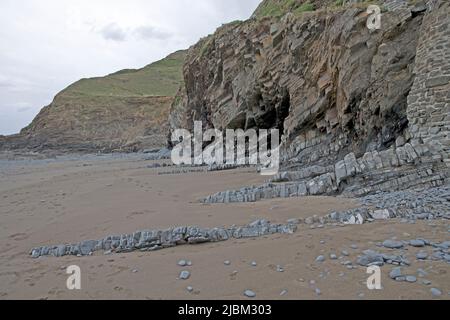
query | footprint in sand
[19, 236]
[136, 213]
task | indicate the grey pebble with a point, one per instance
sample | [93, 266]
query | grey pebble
[182, 263]
[422, 255]
[333, 256]
[417, 243]
[395, 273]
[422, 273]
[227, 262]
[184, 275]
[320, 259]
[411, 279]
[393, 244]
[249, 294]
[436, 292]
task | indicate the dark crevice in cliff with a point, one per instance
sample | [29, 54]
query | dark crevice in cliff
[283, 110]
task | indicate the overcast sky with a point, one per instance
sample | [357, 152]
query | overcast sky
[45, 45]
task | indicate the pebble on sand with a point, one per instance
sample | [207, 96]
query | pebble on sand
[227, 262]
[417, 243]
[184, 275]
[249, 294]
[320, 259]
[393, 244]
[436, 292]
[422, 255]
[395, 273]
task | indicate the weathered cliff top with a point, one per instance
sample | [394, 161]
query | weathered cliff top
[277, 8]
[161, 78]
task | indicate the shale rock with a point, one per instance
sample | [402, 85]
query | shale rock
[151, 240]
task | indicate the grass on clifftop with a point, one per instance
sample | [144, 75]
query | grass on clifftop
[162, 78]
[277, 8]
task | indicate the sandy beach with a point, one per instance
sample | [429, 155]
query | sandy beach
[49, 202]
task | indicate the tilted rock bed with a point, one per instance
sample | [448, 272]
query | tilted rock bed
[420, 204]
[395, 169]
[151, 240]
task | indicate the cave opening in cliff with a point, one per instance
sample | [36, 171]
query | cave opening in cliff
[283, 110]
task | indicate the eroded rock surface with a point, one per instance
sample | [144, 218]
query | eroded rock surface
[151, 240]
[361, 111]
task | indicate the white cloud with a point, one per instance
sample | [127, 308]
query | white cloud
[149, 32]
[113, 32]
[46, 45]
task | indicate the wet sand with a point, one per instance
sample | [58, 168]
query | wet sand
[53, 202]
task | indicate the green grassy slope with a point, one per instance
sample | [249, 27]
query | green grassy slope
[162, 78]
[276, 8]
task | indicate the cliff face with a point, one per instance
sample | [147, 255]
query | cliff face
[124, 111]
[350, 102]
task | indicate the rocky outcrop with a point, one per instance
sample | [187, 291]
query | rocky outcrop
[319, 77]
[360, 110]
[151, 240]
[125, 111]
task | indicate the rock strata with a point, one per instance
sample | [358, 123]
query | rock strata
[360, 111]
[151, 240]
